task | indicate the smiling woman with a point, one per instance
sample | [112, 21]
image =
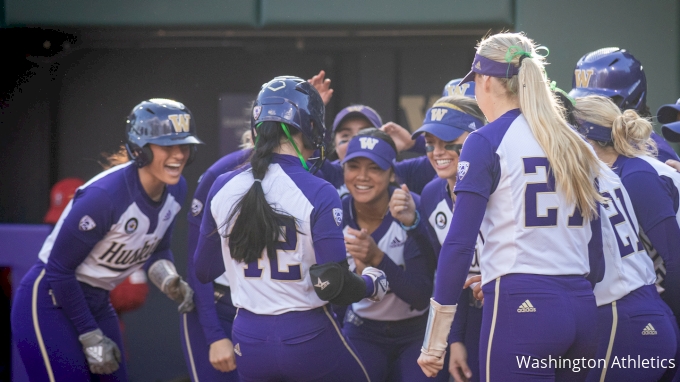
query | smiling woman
[375, 238]
[118, 222]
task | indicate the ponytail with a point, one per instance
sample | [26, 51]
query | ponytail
[572, 162]
[112, 159]
[256, 224]
[631, 133]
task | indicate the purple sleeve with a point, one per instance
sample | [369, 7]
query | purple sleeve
[415, 173]
[665, 237]
[419, 146]
[478, 168]
[459, 325]
[326, 226]
[595, 252]
[203, 294]
[459, 247]
[332, 173]
[70, 249]
[651, 199]
[208, 256]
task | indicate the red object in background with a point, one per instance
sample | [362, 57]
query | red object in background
[62, 192]
[131, 293]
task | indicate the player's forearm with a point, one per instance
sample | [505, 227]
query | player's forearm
[459, 247]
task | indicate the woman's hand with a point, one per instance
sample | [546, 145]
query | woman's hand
[400, 136]
[402, 206]
[323, 86]
[362, 247]
[475, 282]
[430, 364]
[222, 355]
[458, 367]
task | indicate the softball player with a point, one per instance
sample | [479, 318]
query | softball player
[669, 116]
[622, 140]
[120, 221]
[281, 244]
[617, 74]
[526, 185]
[387, 334]
[447, 124]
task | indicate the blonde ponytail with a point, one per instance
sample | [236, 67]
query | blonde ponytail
[573, 163]
[631, 134]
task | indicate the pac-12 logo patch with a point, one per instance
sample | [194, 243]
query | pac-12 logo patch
[440, 220]
[256, 112]
[196, 207]
[337, 215]
[86, 223]
[131, 225]
[463, 167]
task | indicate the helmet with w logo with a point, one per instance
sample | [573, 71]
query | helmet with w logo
[613, 73]
[162, 122]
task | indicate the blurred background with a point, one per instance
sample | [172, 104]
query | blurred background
[73, 70]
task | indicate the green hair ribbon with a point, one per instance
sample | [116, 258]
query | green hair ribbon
[292, 142]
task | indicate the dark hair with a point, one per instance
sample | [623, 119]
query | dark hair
[258, 225]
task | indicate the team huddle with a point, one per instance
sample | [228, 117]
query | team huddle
[532, 235]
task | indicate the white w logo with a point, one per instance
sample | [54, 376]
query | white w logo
[459, 89]
[438, 114]
[180, 122]
[368, 142]
[582, 77]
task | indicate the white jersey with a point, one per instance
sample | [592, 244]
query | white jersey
[112, 213]
[282, 285]
[437, 207]
[529, 226]
[627, 264]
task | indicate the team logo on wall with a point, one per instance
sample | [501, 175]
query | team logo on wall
[196, 207]
[256, 112]
[86, 223]
[337, 215]
[440, 220]
[131, 225]
[463, 167]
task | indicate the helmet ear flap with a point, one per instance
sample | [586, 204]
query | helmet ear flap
[192, 154]
[141, 155]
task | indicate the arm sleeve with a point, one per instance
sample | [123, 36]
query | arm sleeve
[665, 237]
[415, 173]
[655, 210]
[326, 226]
[204, 294]
[208, 257]
[72, 245]
[459, 247]
[332, 173]
[459, 324]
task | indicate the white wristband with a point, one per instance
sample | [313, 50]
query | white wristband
[438, 326]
